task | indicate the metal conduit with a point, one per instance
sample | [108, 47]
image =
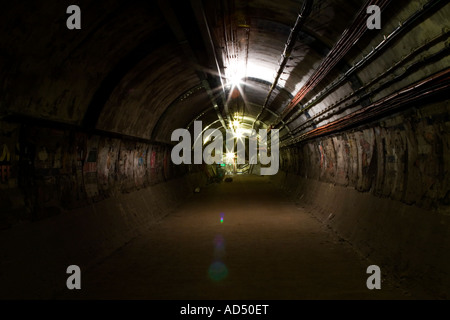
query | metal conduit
[381, 46]
[349, 37]
[219, 73]
[407, 70]
[435, 84]
[304, 13]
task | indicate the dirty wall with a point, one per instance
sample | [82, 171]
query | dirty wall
[45, 170]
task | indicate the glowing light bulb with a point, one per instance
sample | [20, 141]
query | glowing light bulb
[235, 80]
[238, 134]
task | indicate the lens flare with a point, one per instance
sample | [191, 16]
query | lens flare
[219, 248]
[217, 271]
[239, 133]
[219, 241]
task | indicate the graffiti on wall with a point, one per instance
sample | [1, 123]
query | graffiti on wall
[140, 165]
[9, 155]
[90, 168]
[62, 169]
[400, 161]
[5, 163]
[108, 152]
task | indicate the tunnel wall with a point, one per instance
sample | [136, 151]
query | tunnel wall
[47, 170]
[384, 188]
[68, 197]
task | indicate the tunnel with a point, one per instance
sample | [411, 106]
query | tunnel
[330, 126]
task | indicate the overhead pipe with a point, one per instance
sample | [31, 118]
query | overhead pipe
[357, 66]
[438, 83]
[236, 47]
[216, 60]
[289, 46]
[348, 39]
[171, 18]
[407, 70]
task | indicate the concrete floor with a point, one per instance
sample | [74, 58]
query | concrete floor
[267, 247]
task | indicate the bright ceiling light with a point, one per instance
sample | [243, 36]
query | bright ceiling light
[238, 133]
[235, 72]
[235, 80]
[229, 155]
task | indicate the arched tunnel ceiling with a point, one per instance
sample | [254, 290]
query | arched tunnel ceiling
[129, 75]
